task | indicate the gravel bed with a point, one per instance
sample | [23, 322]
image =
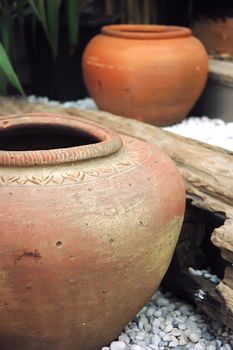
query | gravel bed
[167, 322]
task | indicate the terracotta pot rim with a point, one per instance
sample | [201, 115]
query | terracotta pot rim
[145, 31]
[109, 141]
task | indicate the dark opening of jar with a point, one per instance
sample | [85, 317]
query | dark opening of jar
[43, 137]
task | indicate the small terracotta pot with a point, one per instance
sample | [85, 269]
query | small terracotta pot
[149, 72]
[89, 222]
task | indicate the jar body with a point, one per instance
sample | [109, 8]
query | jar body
[84, 245]
[156, 80]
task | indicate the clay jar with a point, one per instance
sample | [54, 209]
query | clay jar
[88, 225]
[149, 72]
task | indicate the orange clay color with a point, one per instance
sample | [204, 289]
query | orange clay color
[148, 72]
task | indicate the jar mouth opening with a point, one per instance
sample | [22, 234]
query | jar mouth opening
[144, 31]
[39, 138]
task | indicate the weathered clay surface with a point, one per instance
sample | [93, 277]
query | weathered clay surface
[79, 233]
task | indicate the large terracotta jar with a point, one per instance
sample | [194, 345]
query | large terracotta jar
[88, 225]
[149, 72]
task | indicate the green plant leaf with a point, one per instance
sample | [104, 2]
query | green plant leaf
[53, 17]
[3, 83]
[38, 8]
[7, 68]
[73, 22]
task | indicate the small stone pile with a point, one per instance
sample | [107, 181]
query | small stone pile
[166, 322]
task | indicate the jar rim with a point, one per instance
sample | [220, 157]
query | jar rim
[146, 31]
[108, 142]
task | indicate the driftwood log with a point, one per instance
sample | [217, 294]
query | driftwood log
[208, 176]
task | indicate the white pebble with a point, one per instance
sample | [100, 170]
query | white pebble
[218, 342]
[161, 334]
[194, 337]
[186, 309]
[124, 338]
[182, 340]
[161, 301]
[168, 328]
[211, 347]
[153, 346]
[227, 346]
[140, 335]
[176, 332]
[150, 312]
[136, 347]
[166, 337]
[155, 339]
[182, 326]
[147, 327]
[225, 334]
[118, 345]
[173, 344]
[214, 279]
[158, 313]
[200, 346]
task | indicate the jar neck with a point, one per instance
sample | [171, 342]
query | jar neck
[26, 139]
[143, 31]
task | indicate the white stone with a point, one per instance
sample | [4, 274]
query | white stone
[155, 339]
[156, 323]
[150, 311]
[200, 346]
[227, 346]
[136, 347]
[168, 328]
[161, 301]
[124, 337]
[182, 326]
[218, 342]
[176, 332]
[157, 313]
[166, 337]
[147, 328]
[155, 329]
[211, 347]
[140, 335]
[168, 320]
[186, 309]
[182, 340]
[118, 345]
[225, 334]
[194, 337]
[153, 346]
[161, 334]
[173, 344]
